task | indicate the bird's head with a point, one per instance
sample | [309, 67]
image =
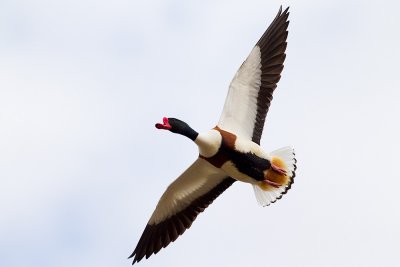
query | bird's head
[173, 125]
[177, 126]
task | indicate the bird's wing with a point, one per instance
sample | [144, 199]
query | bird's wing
[250, 92]
[179, 206]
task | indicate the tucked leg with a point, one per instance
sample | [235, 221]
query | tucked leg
[278, 169]
[271, 183]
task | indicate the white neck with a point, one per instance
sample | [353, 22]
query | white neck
[209, 143]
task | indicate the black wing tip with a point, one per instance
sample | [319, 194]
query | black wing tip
[286, 11]
[278, 21]
[178, 223]
[284, 15]
[136, 259]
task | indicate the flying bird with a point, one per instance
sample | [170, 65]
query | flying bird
[231, 150]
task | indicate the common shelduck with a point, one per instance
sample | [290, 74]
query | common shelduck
[230, 151]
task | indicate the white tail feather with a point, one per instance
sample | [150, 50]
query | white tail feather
[266, 197]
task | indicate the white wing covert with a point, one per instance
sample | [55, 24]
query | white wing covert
[250, 92]
[192, 192]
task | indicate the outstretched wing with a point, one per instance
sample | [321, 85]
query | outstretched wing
[184, 199]
[250, 92]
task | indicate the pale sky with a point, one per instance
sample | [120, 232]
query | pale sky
[82, 84]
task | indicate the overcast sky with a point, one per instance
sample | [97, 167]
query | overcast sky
[82, 84]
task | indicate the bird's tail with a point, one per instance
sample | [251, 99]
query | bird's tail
[283, 158]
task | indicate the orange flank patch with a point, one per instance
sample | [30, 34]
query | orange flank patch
[274, 176]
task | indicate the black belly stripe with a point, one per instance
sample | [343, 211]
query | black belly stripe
[247, 163]
[250, 164]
